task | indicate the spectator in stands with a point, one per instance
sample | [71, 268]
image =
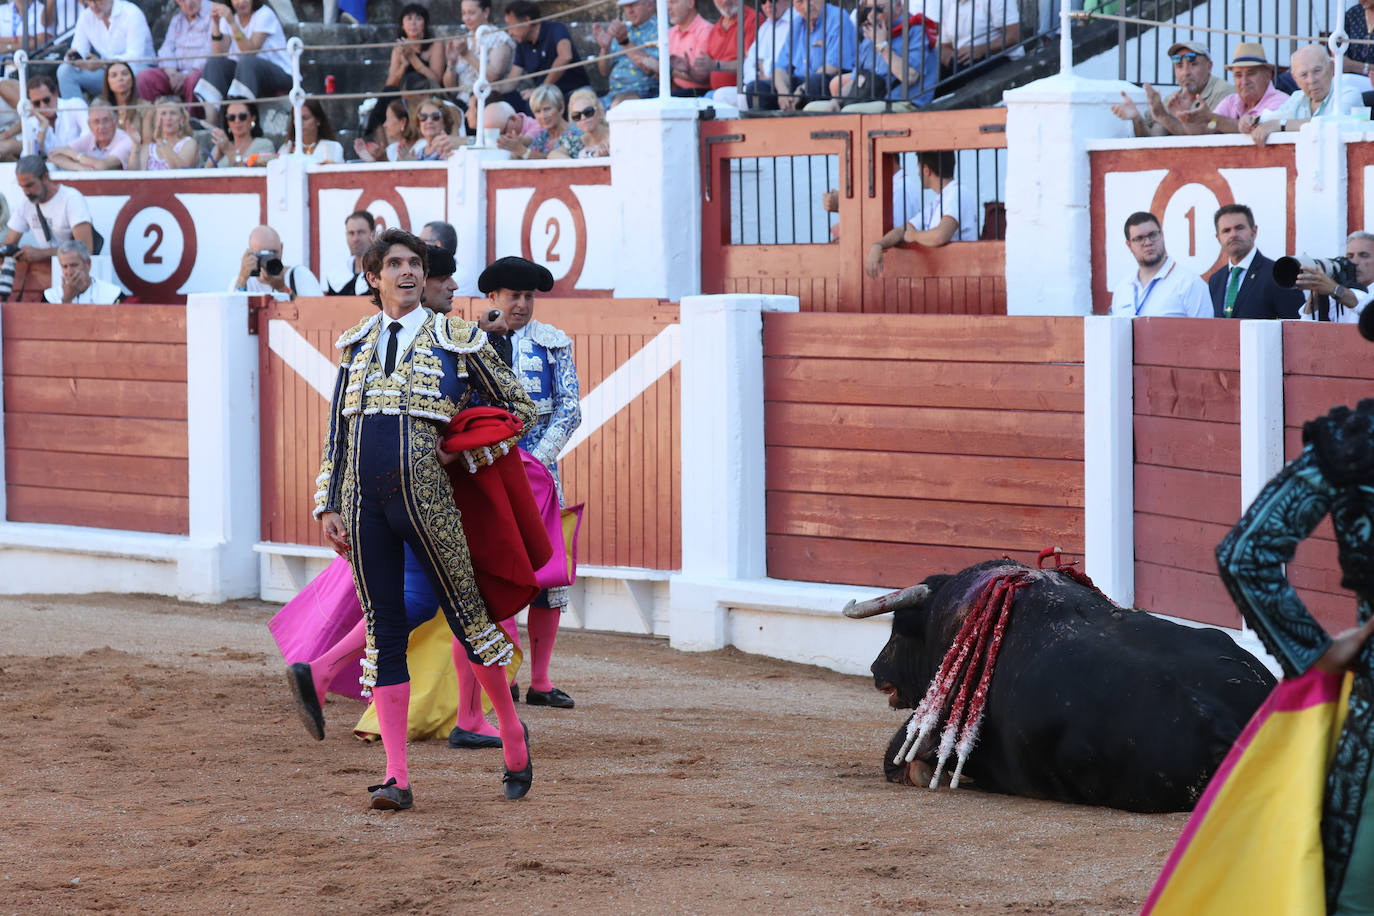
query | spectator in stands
[635, 71]
[249, 27]
[773, 41]
[1197, 88]
[1159, 287]
[103, 147]
[1342, 305]
[50, 214]
[244, 144]
[686, 43]
[12, 26]
[462, 53]
[438, 232]
[1255, 94]
[171, 146]
[398, 133]
[721, 60]
[1317, 95]
[435, 124]
[55, 122]
[593, 137]
[971, 30]
[950, 215]
[500, 119]
[318, 141]
[261, 270]
[1244, 286]
[77, 286]
[106, 30]
[132, 113]
[547, 105]
[821, 45]
[541, 46]
[1359, 25]
[181, 58]
[417, 62]
[882, 72]
[348, 278]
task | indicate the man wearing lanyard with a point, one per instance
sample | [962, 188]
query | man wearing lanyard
[1160, 287]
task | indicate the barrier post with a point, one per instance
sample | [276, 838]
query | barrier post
[222, 448]
[1109, 458]
[1049, 123]
[656, 183]
[1261, 406]
[481, 88]
[724, 534]
[288, 206]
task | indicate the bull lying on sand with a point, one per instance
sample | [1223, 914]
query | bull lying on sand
[1069, 696]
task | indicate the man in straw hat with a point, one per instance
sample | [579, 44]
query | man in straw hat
[1253, 76]
[1198, 90]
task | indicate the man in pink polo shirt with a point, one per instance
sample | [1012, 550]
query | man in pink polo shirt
[1253, 76]
[686, 43]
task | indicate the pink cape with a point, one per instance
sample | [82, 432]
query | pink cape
[562, 566]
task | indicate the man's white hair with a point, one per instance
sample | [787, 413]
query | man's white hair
[497, 114]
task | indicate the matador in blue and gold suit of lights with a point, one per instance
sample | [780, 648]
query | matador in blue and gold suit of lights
[379, 468]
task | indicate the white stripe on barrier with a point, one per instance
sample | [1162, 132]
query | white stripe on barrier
[310, 364]
[631, 379]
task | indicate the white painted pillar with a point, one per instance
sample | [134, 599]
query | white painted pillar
[656, 180]
[1320, 188]
[1049, 228]
[1261, 406]
[1109, 457]
[723, 524]
[288, 207]
[467, 211]
[223, 450]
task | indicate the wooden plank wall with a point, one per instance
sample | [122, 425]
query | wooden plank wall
[1187, 465]
[1324, 365]
[627, 472]
[899, 445]
[95, 429]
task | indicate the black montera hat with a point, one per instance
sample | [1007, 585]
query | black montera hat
[441, 263]
[515, 273]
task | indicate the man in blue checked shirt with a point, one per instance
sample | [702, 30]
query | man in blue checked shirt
[822, 45]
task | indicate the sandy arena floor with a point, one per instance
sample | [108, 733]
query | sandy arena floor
[154, 764]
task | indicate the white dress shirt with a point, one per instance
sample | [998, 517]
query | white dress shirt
[127, 37]
[1171, 292]
[411, 323]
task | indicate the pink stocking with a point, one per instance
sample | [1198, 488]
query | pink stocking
[393, 715]
[324, 669]
[512, 630]
[543, 627]
[493, 681]
[470, 716]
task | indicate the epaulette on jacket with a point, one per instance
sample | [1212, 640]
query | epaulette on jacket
[546, 335]
[357, 332]
[457, 335]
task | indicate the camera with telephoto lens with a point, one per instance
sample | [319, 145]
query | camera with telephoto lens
[1340, 269]
[269, 263]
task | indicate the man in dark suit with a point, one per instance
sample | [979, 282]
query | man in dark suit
[1244, 287]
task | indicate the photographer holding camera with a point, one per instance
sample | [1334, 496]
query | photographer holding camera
[1343, 282]
[262, 270]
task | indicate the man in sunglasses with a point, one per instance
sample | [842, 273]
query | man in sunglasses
[1197, 89]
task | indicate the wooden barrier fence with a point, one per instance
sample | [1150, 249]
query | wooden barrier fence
[626, 470]
[1323, 365]
[900, 446]
[787, 162]
[95, 416]
[1187, 463]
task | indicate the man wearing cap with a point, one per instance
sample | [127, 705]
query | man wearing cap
[1318, 95]
[404, 374]
[1198, 89]
[1253, 76]
[542, 358]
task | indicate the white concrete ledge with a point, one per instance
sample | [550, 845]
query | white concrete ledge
[91, 542]
[624, 572]
[309, 551]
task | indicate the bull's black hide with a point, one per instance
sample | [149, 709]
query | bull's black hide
[1088, 703]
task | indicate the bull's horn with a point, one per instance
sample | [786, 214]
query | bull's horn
[892, 601]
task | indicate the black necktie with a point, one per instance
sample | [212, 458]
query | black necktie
[395, 329]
